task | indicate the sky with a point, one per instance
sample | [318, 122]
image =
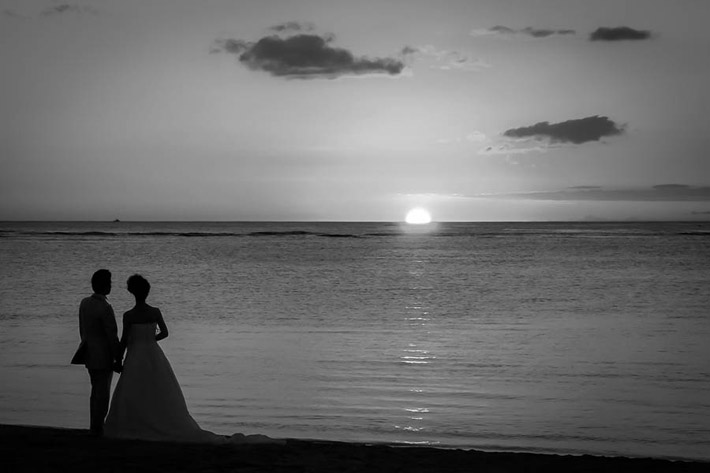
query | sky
[477, 110]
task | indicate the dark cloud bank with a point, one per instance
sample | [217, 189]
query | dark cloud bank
[575, 131]
[620, 33]
[304, 55]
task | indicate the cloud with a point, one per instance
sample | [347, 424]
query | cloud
[293, 26]
[510, 149]
[476, 137]
[620, 33]
[671, 187]
[305, 56]
[660, 193]
[575, 131]
[51, 11]
[447, 60]
[528, 31]
[8, 13]
[472, 137]
[231, 46]
[66, 8]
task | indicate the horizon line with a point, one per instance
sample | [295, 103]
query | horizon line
[698, 219]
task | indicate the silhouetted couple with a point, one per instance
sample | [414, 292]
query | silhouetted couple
[148, 402]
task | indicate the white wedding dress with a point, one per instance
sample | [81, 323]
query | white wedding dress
[148, 403]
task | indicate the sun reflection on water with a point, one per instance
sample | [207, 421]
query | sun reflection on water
[425, 228]
[417, 355]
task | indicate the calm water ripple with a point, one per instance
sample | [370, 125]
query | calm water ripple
[561, 337]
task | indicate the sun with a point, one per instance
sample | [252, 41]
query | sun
[418, 216]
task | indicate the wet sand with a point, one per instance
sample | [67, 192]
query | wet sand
[41, 449]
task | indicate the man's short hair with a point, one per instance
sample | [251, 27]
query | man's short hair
[100, 280]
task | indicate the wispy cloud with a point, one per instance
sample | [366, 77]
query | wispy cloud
[527, 32]
[55, 10]
[8, 13]
[68, 8]
[511, 149]
[297, 55]
[619, 33]
[472, 137]
[293, 27]
[576, 131]
[448, 60]
[476, 137]
[659, 193]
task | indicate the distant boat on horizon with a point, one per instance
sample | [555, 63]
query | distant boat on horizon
[116, 221]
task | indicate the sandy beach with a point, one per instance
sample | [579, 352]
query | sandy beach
[39, 449]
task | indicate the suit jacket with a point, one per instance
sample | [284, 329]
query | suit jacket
[99, 347]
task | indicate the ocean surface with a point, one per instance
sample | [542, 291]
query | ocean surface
[545, 337]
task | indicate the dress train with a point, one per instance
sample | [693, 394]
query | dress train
[148, 403]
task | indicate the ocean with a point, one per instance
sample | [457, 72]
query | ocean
[539, 337]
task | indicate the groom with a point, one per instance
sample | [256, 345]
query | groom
[99, 349]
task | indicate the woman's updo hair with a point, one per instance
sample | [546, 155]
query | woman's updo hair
[138, 286]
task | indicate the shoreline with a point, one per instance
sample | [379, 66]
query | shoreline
[38, 449]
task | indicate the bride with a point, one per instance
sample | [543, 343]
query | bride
[148, 403]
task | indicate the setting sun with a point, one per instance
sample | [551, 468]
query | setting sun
[418, 216]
